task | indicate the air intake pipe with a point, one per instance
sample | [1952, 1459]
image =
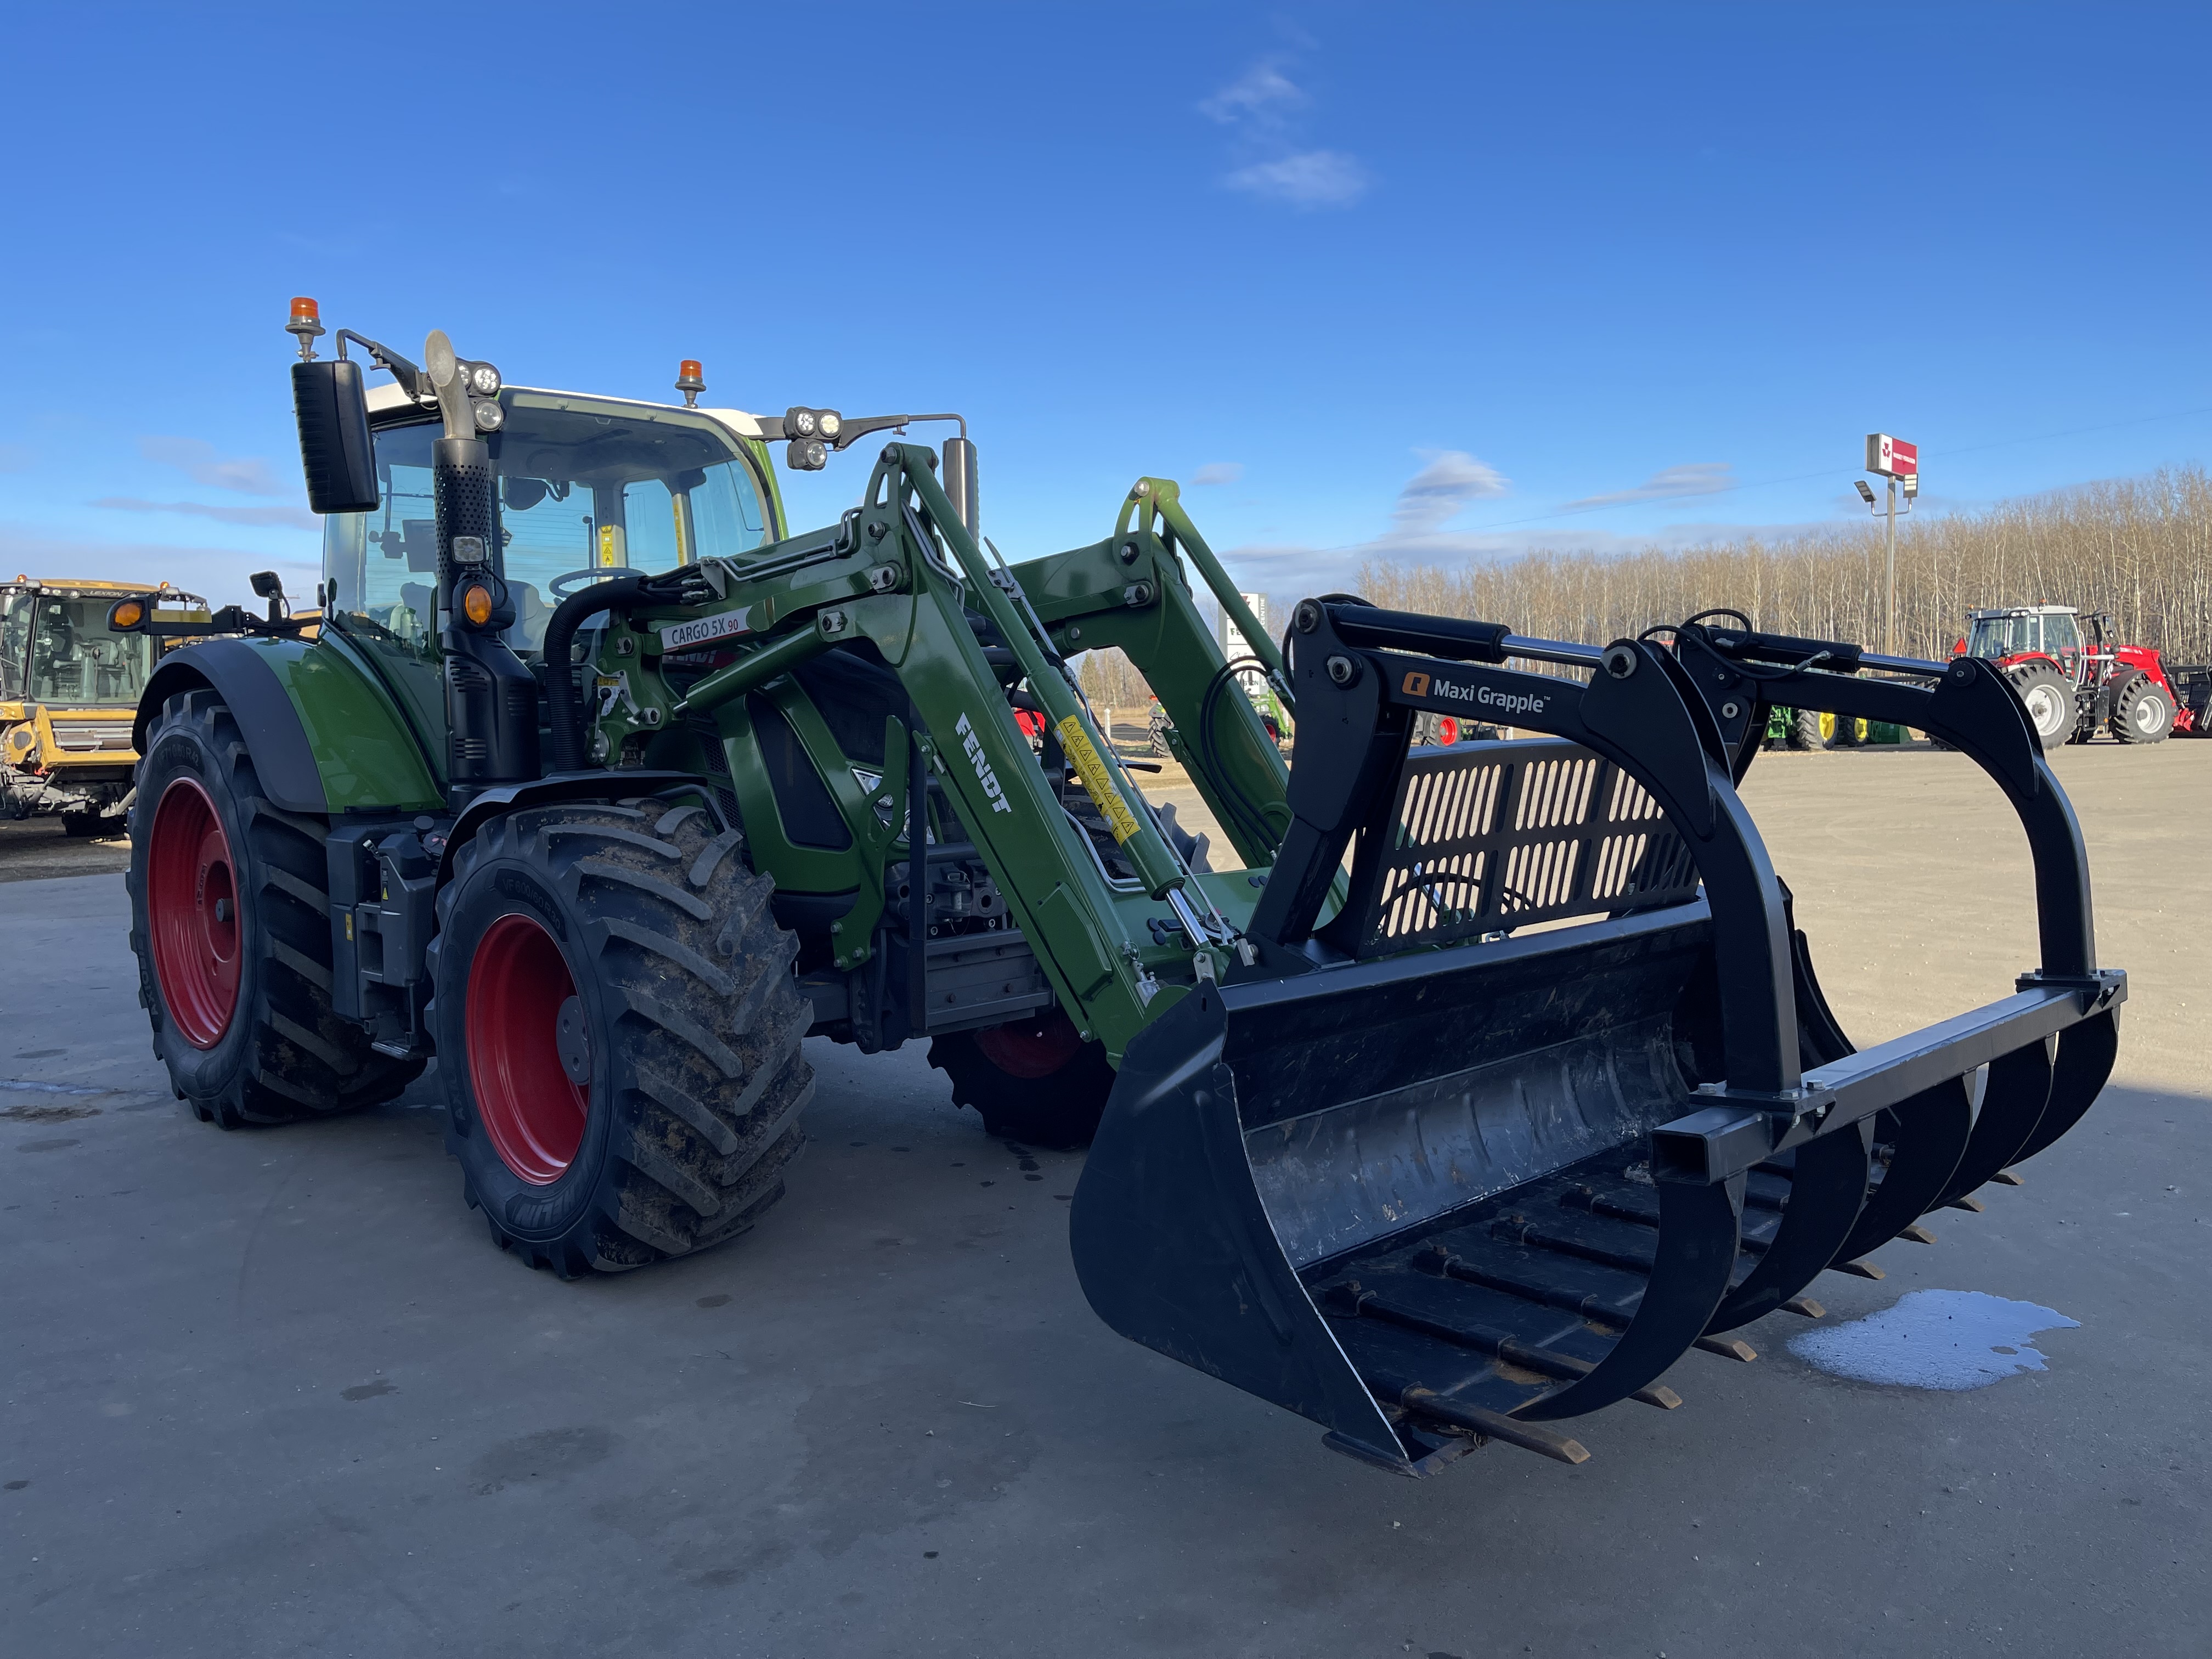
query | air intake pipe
[566, 750]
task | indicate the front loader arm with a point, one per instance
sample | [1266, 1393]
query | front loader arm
[904, 574]
[1130, 592]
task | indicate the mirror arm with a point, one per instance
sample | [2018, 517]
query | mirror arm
[411, 380]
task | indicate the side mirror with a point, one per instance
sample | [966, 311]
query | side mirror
[332, 406]
[130, 615]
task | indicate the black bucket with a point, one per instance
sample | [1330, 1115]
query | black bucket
[1430, 1184]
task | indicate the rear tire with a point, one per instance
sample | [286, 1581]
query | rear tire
[2142, 712]
[622, 1032]
[1804, 729]
[1033, 1080]
[2048, 696]
[230, 922]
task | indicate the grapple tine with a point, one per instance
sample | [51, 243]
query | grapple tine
[2086, 1053]
[1697, 1227]
[1828, 1189]
[2012, 1103]
[1926, 1135]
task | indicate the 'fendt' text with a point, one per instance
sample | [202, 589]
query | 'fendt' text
[984, 775]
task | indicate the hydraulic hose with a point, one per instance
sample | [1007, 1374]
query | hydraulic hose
[565, 738]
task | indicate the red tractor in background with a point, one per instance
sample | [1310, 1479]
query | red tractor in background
[2074, 688]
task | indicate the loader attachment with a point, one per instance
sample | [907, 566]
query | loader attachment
[1552, 1097]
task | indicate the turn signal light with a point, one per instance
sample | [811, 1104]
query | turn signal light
[126, 615]
[475, 604]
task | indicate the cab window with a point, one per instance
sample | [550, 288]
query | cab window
[584, 487]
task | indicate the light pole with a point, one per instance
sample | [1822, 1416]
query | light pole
[1894, 459]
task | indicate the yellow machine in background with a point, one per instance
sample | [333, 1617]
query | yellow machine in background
[69, 689]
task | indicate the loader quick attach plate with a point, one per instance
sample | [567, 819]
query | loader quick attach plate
[1429, 1181]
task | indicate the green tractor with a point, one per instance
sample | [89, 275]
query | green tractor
[605, 788]
[1808, 728]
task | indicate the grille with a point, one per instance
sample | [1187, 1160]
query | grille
[1490, 837]
[709, 736]
[91, 738]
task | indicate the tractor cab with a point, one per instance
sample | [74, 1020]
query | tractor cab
[69, 686]
[55, 646]
[2005, 636]
[587, 488]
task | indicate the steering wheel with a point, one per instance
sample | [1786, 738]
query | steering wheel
[563, 585]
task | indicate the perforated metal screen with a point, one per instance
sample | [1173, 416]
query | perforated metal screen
[1489, 836]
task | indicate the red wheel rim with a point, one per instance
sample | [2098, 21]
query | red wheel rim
[191, 912]
[533, 1099]
[1030, 1048]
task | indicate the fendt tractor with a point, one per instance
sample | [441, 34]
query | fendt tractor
[69, 684]
[2074, 688]
[606, 788]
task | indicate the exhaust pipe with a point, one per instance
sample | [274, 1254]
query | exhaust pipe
[960, 481]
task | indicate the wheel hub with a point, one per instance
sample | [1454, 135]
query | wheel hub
[1032, 1048]
[191, 913]
[529, 1043]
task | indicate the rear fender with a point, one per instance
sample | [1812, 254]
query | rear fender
[326, 737]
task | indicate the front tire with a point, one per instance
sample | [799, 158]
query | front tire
[230, 922]
[2142, 712]
[1033, 1080]
[620, 1032]
[1803, 731]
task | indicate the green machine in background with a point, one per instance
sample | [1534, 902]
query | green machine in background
[1808, 728]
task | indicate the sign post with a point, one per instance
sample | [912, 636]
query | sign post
[1893, 459]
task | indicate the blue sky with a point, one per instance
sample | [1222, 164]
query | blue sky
[1423, 282]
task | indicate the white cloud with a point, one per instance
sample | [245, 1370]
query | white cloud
[1263, 92]
[297, 517]
[1263, 108]
[1294, 571]
[1219, 473]
[1691, 478]
[248, 474]
[1439, 491]
[1311, 178]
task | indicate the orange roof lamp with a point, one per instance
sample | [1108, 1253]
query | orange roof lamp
[306, 324]
[690, 380]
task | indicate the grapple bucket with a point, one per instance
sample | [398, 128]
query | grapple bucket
[1428, 1179]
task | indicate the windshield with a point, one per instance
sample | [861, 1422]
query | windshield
[58, 649]
[583, 485]
[2004, 636]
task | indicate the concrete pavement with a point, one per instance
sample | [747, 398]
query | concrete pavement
[274, 1392]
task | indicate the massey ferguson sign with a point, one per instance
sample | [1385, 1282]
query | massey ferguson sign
[1892, 458]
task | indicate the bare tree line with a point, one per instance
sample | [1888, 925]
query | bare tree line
[2139, 548]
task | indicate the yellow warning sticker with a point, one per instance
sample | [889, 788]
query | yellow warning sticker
[1095, 781]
